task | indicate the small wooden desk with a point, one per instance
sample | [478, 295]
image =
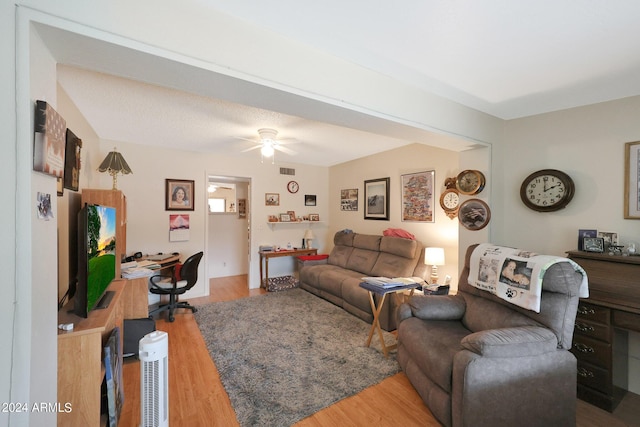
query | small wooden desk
[375, 325]
[265, 255]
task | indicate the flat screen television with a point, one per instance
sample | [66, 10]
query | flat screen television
[96, 258]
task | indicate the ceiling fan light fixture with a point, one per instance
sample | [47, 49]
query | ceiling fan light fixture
[267, 148]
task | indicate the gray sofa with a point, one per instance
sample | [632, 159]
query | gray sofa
[355, 256]
[478, 361]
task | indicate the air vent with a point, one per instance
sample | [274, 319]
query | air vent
[287, 171]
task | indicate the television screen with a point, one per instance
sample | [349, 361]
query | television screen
[96, 256]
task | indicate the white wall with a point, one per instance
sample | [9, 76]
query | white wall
[588, 144]
[443, 232]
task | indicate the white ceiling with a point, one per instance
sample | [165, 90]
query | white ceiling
[507, 58]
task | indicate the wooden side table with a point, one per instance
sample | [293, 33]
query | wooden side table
[265, 255]
[376, 309]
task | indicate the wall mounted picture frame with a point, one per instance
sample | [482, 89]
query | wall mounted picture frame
[417, 196]
[272, 199]
[179, 194]
[72, 161]
[49, 140]
[632, 180]
[349, 199]
[309, 199]
[376, 197]
[242, 208]
[474, 214]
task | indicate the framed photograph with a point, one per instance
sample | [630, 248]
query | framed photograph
[474, 214]
[376, 196]
[585, 233]
[632, 180]
[272, 199]
[179, 195]
[242, 208]
[285, 217]
[610, 238]
[292, 215]
[49, 140]
[309, 199]
[593, 244]
[73, 148]
[314, 217]
[349, 199]
[417, 196]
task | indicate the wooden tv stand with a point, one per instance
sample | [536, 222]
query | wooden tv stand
[80, 362]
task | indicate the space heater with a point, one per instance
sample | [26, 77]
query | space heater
[154, 379]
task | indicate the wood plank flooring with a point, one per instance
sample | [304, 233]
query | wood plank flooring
[197, 397]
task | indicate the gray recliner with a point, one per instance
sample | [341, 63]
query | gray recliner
[478, 361]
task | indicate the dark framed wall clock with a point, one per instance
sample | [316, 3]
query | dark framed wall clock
[547, 190]
[470, 182]
[293, 187]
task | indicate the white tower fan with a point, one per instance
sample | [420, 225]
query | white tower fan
[154, 379]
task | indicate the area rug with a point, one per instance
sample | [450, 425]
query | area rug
[286, 355]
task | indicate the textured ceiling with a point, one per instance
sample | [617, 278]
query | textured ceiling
[506, 58]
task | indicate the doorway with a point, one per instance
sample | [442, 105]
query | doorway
[228, 227]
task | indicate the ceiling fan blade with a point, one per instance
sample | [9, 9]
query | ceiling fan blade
[246, 139]
[285, 150]
[252, 148]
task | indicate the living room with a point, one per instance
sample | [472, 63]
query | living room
[587, 142]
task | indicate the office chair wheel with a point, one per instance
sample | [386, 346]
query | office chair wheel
[193, 310]
[172, 318]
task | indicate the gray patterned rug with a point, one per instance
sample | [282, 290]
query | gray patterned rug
[286, 355]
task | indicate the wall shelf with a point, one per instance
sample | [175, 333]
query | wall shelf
[273, 224]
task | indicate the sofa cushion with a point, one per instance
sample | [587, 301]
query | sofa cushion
[342, 238]
[512, 342]
[482, 314]
[397, 246]
[432, 345]
[340, 255]
[362, 261]
[367, 241]
[388, 265]
[310, 273]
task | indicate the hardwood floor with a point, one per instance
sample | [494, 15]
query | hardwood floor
[197, 397]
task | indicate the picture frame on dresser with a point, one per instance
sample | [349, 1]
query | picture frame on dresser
[632, 180]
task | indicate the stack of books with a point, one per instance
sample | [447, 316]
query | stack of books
[387, 282]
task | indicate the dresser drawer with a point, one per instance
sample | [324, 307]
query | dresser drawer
[593, 330]
[592, 351]
[595, 377]
[594, 313]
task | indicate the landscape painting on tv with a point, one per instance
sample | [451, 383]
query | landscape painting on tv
[101, 245]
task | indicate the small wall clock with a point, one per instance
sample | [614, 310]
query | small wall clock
[470, 181]
[293, 187]
[547, 190]
[450, 202]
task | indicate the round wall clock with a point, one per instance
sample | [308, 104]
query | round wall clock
[470, 181]
[474, 214]
[293, 187]
[547, 190]
[450, 202]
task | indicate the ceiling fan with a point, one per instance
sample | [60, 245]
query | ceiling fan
[268, 143]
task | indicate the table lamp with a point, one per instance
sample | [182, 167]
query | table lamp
[308, 237]
[114, 164]
[434, 257]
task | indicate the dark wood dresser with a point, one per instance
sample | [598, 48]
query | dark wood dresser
[600, 342]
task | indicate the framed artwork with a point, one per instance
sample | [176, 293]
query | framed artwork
[179, 195]
[272, 199]
[49, 140]
[242, 208]
[610, 238]
[314, 217]
[309, 199]
[593, 244]
[292, 215]
[632, 180]
[285, 217]
[349, 199]
[72, 161]
[376, 196]
[474, 214]
[417, 196]
[582, 233]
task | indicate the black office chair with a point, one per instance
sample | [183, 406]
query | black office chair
[188, 276]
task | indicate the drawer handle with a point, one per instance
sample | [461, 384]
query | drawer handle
[584, 373]
[584, 328]
[585, 311]
[582, 348]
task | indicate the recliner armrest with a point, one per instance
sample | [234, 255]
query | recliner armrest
[438, 307]
[512, 342]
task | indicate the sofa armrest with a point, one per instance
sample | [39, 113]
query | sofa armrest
[512, 342]
[438, 307]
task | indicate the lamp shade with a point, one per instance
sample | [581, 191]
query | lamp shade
[114, 164]
[308, 234]
[434, 256]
